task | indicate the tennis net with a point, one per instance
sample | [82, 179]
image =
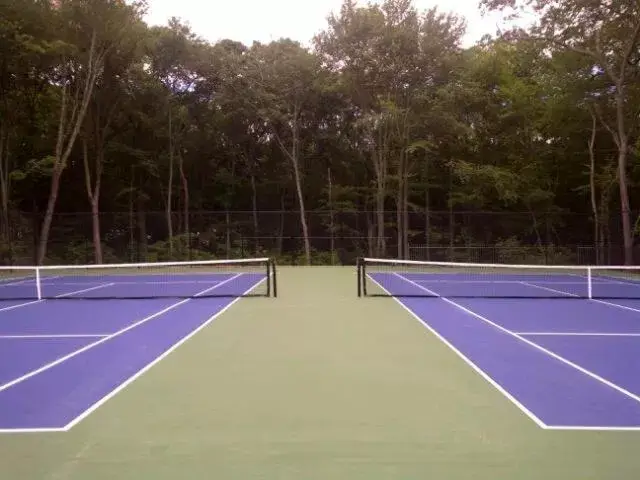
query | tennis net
[405, 278]
[196, 279]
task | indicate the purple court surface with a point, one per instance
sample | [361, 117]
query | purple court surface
[567, 363]
[61, 359]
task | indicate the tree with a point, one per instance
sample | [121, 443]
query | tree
[92, 29]
[609, 34]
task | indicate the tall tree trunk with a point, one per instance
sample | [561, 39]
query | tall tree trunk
[227, 220]
[627, 232]
[185, 196]
[93, 193]
[131, 218]
[592, 187]
[303, 215]
[280, 239]
[170, 186]
[142, 228]
[68, 129]
[254, 211]
[332, 241]
[427, 211]
[399, 206]
[4, 181]
[294, 157]
[452, 228]
[405, 213]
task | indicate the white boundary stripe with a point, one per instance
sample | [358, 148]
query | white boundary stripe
[547, 282]
[128, 282]
[561, 292]
[617, 305]
[70, 294]
[20, 282]
[468, 361]
[16, 279]
[5, 309]
[577, 334]
[31, 430]
[532, 344]
[159, 358]
[593, 428]
[597, 300]
[60, 360]
[54, 336]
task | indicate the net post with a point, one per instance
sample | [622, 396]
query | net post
[359, 275]
[274, 277]
[589, 283]
[268, 294]
[38, 285]
[363, 276]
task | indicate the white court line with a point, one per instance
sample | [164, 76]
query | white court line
[70, 294]
[498, 281]
[60, 360]
[578, 334]
[20, 305]
[31, 430]
[179, 282]
[597, 300]
[562, 292]
[150, 365]
[32, 302]
[52, 336]
[583, 370]
[594, 428]
[467, 360]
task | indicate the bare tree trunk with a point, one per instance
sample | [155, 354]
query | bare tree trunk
[624, 204]
[170, 186]
[303, 216]
[185, 195]
[451, 217]
[592, 187]
[254, 208]
[331, 219]
[93, 192]
[371, 235]
[294, 157]
[280, 238]
[68, 129]
[131, 220]
[405, 213]
[4, 180]
[427, 211]
[142, 228]
[399, 205]
[380, 240]
[227, 217]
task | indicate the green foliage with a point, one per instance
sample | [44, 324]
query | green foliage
[388, 103]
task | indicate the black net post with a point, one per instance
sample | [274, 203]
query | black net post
[275, 282]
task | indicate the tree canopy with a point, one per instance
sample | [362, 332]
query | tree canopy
[121, 141]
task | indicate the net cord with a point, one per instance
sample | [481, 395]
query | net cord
[242, 261]
[505, 266]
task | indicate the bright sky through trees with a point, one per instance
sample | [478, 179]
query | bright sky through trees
[249, 20]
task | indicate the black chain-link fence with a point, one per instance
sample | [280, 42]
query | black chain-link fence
[335, 237]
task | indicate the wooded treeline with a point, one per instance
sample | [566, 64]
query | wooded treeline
[150, 143]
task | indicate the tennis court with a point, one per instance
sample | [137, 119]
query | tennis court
[562, 343]
[316, 383]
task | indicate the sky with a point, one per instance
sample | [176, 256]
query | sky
[267, 20]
